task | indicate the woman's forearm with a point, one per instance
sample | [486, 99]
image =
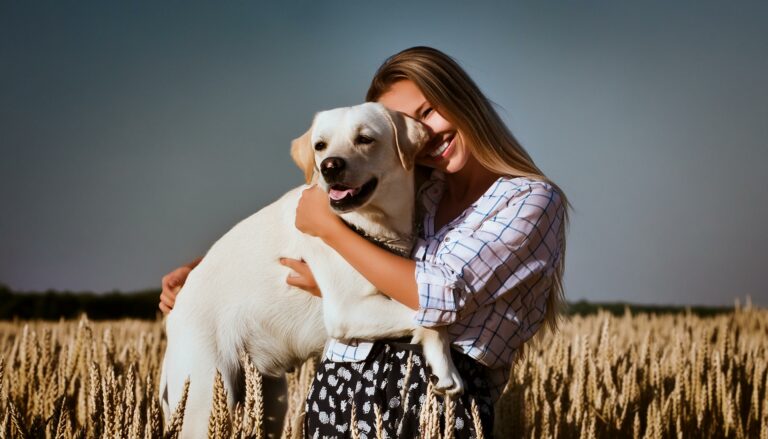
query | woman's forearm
[391, 274]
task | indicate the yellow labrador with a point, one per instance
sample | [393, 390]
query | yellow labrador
[237, 298]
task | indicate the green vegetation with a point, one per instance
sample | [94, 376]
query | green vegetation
[53, 305]
[584, 308]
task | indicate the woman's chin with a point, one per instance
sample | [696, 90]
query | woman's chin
[434, 163]
[445, 166]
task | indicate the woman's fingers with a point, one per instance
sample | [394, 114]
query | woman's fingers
[297, 265]
[298, 281]
[171, 283]
[165, 285]
[300, 276]
[175, 278]
[302, 282]
[168, 298]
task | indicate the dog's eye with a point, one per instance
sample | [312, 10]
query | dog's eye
[319, 146]
[364, 140]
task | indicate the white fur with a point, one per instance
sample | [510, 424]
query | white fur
[237, 298]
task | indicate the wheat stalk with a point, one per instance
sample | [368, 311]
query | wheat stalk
[177, 419]
[628, 376]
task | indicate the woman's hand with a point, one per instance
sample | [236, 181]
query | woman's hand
[301, 276]
[314, 215]
[172, 283]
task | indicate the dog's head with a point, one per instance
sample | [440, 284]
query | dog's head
[353, 152]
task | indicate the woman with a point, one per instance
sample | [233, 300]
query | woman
[487, 264]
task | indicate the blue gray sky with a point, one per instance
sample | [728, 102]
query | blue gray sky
[134, 134]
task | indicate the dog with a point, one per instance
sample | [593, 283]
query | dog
[237, 298]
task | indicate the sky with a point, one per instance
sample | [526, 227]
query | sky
[134, 134]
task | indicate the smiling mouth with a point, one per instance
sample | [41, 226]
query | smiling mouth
[345, 198]
[442, 148]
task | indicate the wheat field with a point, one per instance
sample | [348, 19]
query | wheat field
[639, 376]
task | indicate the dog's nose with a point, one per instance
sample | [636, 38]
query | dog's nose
[331, 167]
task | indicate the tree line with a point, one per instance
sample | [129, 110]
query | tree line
[54, 305]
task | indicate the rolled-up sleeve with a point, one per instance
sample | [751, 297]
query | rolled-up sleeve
[514, 243]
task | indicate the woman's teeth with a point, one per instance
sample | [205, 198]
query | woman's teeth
[441, 149]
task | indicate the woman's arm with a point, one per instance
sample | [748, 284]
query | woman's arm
[391, 274]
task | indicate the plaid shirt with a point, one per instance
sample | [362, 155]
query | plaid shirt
[486, 274]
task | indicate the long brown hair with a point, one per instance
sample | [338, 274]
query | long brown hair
[449, 89]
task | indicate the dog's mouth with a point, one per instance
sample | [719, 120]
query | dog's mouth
[345, 198]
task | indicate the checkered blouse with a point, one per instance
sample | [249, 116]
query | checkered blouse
[486, 274]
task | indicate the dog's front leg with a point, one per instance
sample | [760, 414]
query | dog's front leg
[376, 317]
[437, 351]
[369, 317]
[352, 308]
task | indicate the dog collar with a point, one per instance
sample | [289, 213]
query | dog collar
[389, 245]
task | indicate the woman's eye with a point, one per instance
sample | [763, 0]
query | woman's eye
[365, 140]
[426, 112]
[319, 146]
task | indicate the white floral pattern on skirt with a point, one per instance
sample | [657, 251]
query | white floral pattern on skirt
[378, 381]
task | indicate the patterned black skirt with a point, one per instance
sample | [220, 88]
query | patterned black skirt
[375, 390]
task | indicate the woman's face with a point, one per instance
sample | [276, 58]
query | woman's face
[445, 150]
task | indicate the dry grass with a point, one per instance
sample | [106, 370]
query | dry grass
[602, 376]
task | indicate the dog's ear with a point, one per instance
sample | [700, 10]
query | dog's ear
[410, 136]
[303, 155]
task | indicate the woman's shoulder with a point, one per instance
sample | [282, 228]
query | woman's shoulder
[518, 188]
[512, 197]
[517, 199]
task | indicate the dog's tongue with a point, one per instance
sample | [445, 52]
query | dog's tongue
[340, 194]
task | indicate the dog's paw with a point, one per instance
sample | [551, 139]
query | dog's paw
[451, 384]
